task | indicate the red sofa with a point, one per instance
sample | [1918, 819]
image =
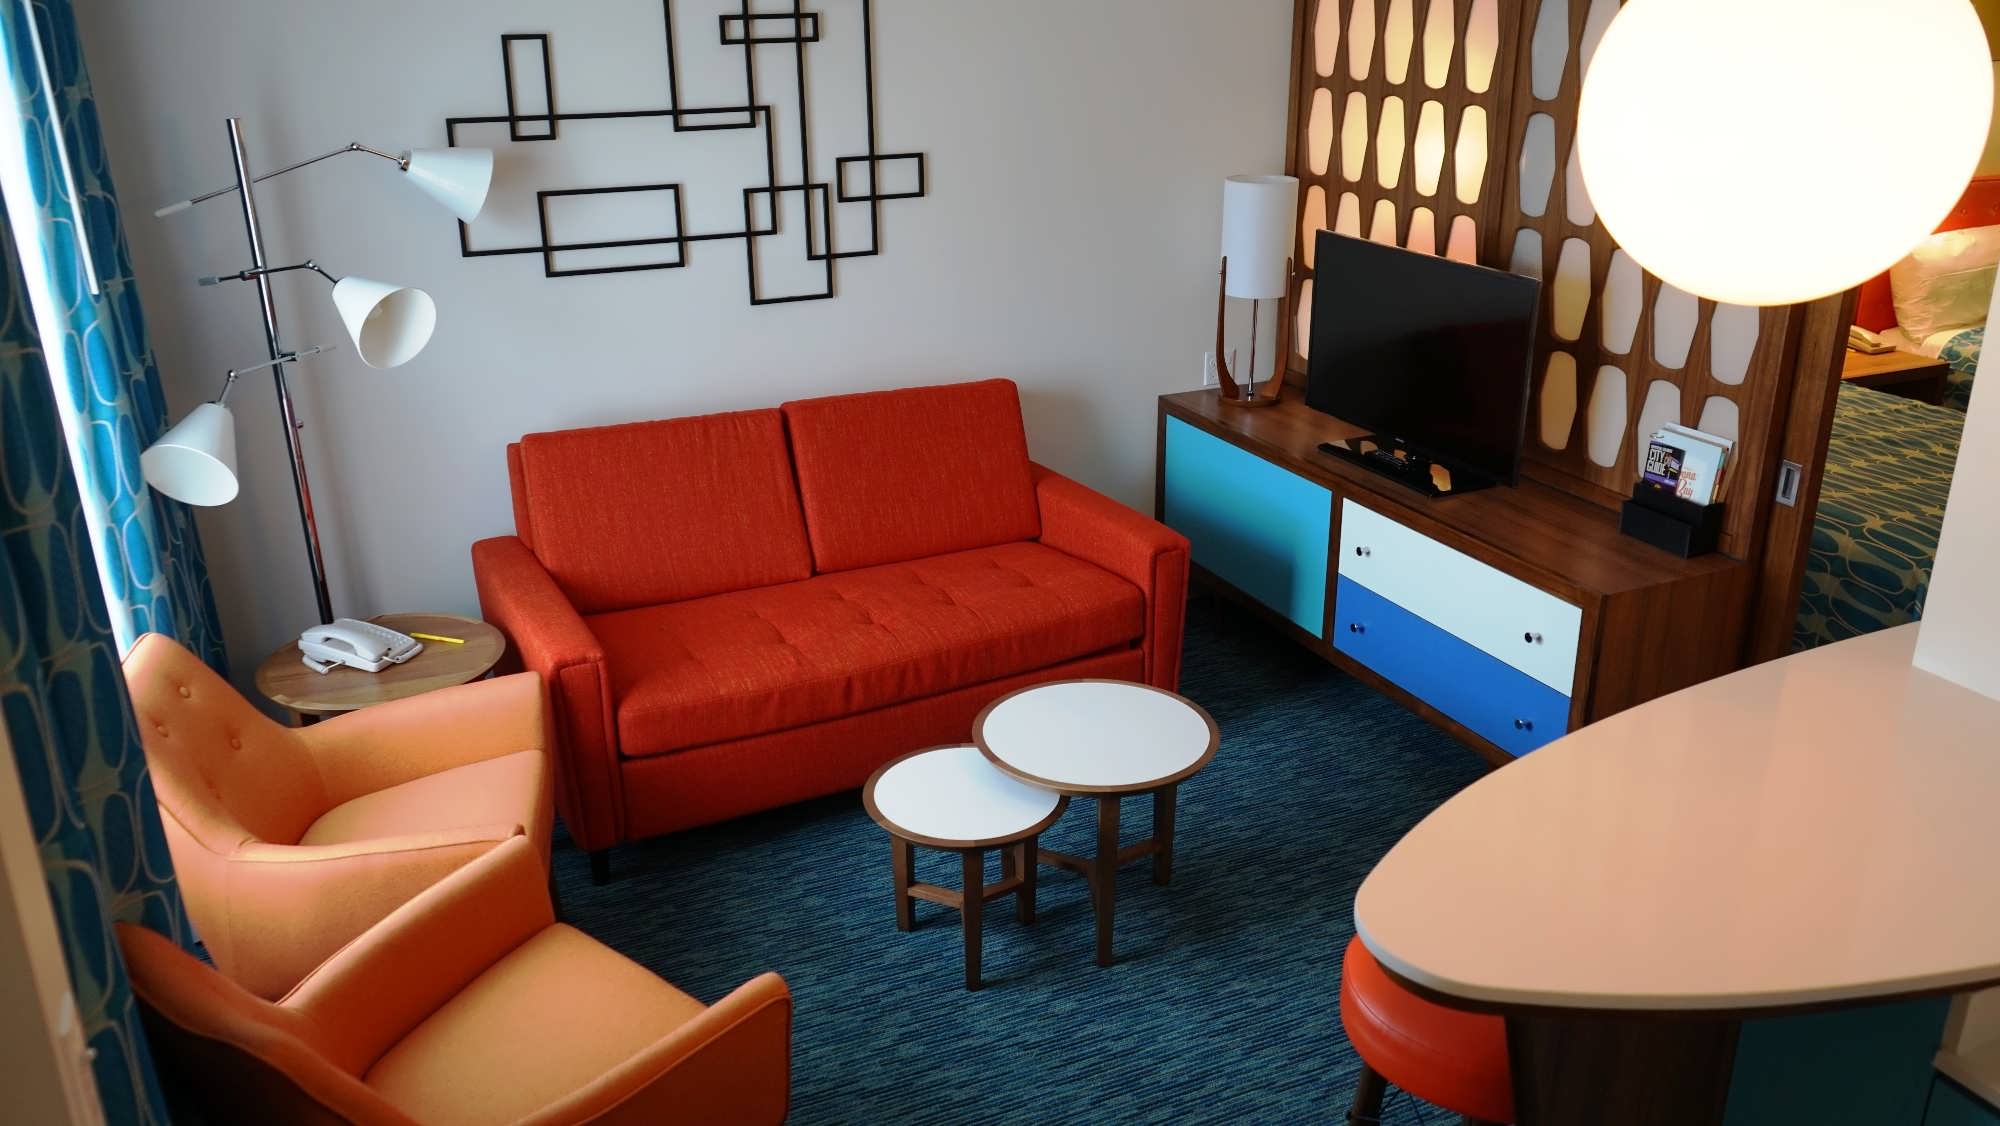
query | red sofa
[740, 611]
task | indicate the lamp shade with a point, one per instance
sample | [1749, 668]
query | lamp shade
[195, 462]
[389, 324]
[1258, 217]
[1763, 152]
[456, 178]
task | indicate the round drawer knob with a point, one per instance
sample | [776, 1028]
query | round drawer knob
[1363, 551]
[1356, 627]
[1532, 638]
[1524, 725]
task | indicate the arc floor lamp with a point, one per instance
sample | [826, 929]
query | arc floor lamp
[195, 461]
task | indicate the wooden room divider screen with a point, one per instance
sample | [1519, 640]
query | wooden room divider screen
[1448, 126]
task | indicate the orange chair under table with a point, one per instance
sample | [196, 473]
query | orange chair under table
[1446, 1057]
[289, 842]
[467, 1006]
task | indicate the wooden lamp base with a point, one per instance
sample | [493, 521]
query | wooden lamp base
[1249, 394]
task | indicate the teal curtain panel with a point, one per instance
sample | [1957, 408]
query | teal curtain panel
[102, 362]
[69, 722]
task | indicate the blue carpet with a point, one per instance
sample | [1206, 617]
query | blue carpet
[1222, 1007]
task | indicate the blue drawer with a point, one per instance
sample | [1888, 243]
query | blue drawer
[1261, 529]
[1497, 701]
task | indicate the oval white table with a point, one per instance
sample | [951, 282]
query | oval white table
[952, 799]
[1815, 833]
[1104, 739]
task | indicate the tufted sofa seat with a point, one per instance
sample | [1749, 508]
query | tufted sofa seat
[744, 610]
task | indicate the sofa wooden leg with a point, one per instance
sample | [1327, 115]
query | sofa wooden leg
[600, 867]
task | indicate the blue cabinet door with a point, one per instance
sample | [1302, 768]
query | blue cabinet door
[1499, 702]
[1950, 1105]
[1259, 528]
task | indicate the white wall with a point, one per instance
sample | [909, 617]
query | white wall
[1069, 242]
[1962, 607]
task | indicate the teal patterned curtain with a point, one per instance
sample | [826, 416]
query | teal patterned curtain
[69, 721]
[65, 213]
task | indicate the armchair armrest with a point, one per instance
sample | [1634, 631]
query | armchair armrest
[518, 595]
[732, 1063]
[375, 748]
[286, 908]
[372, 991]
[1142, 551]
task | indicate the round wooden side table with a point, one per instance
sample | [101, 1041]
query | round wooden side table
[1103, 739]
[952, 799]
[308, 695]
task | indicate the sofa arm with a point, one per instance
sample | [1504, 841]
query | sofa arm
[520, 597]
[1142, 551]
[371, 992]
[366, 751]
[732, 1063]
[287, 908]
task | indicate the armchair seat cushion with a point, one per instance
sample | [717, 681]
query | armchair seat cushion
[693, 673]
[549, 1018]
[501, 791]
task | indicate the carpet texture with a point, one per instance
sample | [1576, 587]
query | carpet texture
[1223, 1004]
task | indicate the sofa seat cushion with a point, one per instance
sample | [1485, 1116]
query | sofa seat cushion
[545, 1021]
[751, 662]
[504, 790]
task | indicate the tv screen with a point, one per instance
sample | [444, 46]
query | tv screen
[1426, 352]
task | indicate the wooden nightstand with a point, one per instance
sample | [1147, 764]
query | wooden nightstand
[1899, 373]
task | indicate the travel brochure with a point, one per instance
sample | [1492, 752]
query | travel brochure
[1691, 464]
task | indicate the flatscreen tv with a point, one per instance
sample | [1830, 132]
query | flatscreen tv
[1430, 355]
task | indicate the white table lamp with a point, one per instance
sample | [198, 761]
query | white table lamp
[1717, 138]
[1259, 216]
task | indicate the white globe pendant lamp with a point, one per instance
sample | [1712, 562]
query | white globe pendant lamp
[1717, 137]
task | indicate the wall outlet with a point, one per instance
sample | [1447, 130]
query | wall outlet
[1208, 376]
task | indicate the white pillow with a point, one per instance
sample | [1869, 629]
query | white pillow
[1947, 281]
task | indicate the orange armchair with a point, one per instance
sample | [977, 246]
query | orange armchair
[288, 843]
[467, 1005]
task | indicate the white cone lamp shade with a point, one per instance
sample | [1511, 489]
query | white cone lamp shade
[1258, 217]
[195, 462]
[389, 324]
[1717, 138]
[456, 178]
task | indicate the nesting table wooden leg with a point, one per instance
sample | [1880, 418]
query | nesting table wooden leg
[1164, 800]
[1104, 874]
[904, 859]
[971, 910]
[1025, 864]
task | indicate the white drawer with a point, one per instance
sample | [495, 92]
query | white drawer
[1528, 628]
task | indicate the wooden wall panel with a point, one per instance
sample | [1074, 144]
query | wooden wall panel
[1618, 351]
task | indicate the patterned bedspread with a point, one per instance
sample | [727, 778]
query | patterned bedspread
[1888, 475]
[1962, 353]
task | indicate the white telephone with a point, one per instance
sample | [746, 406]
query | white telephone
[356, 644]
[1867, 343]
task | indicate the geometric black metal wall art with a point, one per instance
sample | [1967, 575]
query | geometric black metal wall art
[645, 224]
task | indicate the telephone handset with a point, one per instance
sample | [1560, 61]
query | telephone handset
[356, 644]
[1867, 343]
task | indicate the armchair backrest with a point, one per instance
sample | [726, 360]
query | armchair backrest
[652, 512]
[223, 770]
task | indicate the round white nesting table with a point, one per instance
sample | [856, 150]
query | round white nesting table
[1813, 833]
[952, 799]
[1104, 739]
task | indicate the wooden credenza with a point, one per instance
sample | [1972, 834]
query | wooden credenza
[1508, 616]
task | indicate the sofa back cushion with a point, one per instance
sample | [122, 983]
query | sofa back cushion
[653, 512]
[892, 476]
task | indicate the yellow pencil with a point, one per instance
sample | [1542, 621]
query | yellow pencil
[436, 637]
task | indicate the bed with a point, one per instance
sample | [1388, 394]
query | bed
[1888, 471]
[1881, 505]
